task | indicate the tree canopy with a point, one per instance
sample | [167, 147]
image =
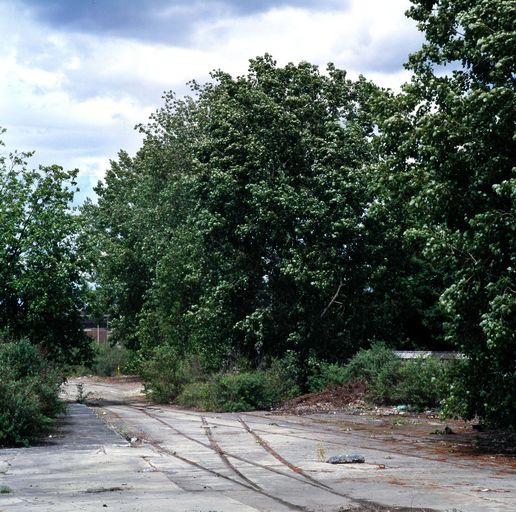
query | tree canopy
[294, 211]
[41, 269]
[448, 161]
[244, 216]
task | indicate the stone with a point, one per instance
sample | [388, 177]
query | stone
[346, 459]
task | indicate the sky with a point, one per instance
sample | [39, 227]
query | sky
[76, 76]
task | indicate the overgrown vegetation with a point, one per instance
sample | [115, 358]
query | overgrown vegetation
[29, 388]
[288, 218]
[419, 384]
[42, 289]
[293, 212]
[42, 268]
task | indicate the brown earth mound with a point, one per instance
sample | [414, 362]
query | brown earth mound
[327, 400]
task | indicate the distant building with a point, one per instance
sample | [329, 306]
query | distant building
[96, 328]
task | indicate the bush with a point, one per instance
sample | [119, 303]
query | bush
[197, 395]
[164, 374]
[29, 391]
[252, 390]
[242, 391]
[110, 360]
[421, 383]
[322, 375]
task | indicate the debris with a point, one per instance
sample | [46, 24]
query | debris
[346, 459]
[103, 489]
[327, 401]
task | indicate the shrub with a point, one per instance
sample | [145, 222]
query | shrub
[420, 383]
[197, 395]
[368, 365]
[164, 374]
[109, 360]
[238, 392]
[29, 390]
[252, 390]
[322, 375]
[241, 392]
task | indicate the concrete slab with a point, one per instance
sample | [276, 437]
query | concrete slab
[190, 461]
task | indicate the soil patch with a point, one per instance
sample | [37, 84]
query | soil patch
[326, 401]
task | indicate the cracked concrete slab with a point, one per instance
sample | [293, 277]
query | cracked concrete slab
[188, 461]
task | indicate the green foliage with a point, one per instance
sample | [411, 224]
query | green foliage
[111, 360]
[241, 218]
[322, 375]
[420, 383]
[251, 390]
[164, 374]
[41, 268]
[29, 389]
[289, 211]
[368, 365]
[240, 390]
[197, 395]
[448, 161]
[82, 397]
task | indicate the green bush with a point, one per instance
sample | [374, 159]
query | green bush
[110, 360]
[164, 374]
[421, 383]
[322, 375]
[29, 390]
[241, 392]
[261, 389]
[197, 395]
[369, 365]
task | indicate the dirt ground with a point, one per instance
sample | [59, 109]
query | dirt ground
[454, 435]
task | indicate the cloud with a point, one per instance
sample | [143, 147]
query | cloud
[368, 36]
[75, 77]
[146, 20]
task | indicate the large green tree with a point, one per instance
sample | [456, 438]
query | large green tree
[41, 270]
[449, 158]
[240, 226]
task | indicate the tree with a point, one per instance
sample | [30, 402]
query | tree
[448, 150]
[281, 181]
[244, 213]
[41, 268]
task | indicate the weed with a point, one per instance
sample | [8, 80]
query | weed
[320, 452]
[5, 489]
[81, 396]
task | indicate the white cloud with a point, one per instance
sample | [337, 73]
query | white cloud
[76, 97]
